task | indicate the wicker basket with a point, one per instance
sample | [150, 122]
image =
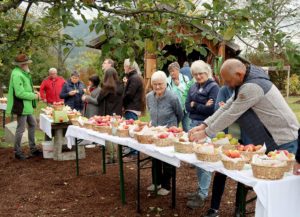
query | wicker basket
[72, 116]
[88, 125]
[75, 122]
[144, 139]
[123, 132]
[58, 107]
[228, 147]
[163, 142]
[208, 157]
[289, 165]
[183, 148]
[103, 129]
[248, 155]
[231, 165]
[268, 172]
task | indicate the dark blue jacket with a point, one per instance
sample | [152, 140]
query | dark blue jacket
[200, 95]
[75, 101]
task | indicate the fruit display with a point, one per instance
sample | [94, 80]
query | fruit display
[3, 100]
[233, 160]
[249, 150]
[164, 139]
[283, 155]
[225, 140]
[123, 129]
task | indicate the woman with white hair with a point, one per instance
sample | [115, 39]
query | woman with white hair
[165, 110]
[200, 105]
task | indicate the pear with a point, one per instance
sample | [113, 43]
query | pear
[220, 135]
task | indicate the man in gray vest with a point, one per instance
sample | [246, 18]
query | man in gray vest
[257, 106]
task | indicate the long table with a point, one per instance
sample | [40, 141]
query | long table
[274, 198]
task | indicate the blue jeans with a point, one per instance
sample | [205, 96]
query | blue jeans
[185, 122]
[204, 177]
[290, 146]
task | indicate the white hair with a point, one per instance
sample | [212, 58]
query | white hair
[132, 65]
[52, 70]
[159, 75]
[200, 66]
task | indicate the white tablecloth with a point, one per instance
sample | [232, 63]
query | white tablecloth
[275, 198]
[45, 124]
[3, 106]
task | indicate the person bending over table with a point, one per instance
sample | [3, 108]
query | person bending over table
[165, 110]
[257, 106]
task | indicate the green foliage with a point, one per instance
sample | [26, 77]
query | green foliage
[294, 84]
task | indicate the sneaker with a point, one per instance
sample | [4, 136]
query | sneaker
[196, 202]
[163, 192]
[20, 156]
[36, 153]
[212, 213]
[192, 195]
[152, 187]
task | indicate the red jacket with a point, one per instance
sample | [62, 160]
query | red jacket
[51, 88]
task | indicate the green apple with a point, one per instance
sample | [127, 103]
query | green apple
[220, 135]
[234, 141]
[229, 136]
[214, 139]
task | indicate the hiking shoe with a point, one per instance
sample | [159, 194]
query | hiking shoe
[20, 156]
[191, 195]
[152, 187]
[196, 202]
[163, 192]
[212, 213]
[36, 153]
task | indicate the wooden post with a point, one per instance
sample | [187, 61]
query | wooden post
[150, 63]
[288, 82]
[222, 53]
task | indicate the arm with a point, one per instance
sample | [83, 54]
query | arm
[93, 100]
[223, 95]
[19, 90]
[204, 109]
[177, 109]
[42, 90]
[248, 96]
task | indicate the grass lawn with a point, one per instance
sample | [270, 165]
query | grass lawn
[40, 135]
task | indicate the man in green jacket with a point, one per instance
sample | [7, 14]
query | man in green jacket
[22, 101]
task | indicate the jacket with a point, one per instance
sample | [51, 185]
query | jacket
[21, 96]
[75, 101]
[133, 97]
[51, 88]
[165, 110]
[260, 95]
[110, 103]
[200, 95]
[92, 107]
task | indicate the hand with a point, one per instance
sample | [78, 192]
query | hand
[221, 104]
[83, 98]
[193, 104]
[209, 102]
[297, 169]
[198, 133]
[72, 92]
[125, 80]
[176, 81]
[37, 95]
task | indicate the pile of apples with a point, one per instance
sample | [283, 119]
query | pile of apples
[273, 154]
[174, 130]
[163, 135]
[129, 122]
[222, 135]
[232, 153]
[249, 147]
[102, 120]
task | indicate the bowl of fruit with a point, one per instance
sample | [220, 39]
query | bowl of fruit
[283, 155]
[227, 141]
[248, 151]
[233, 160]
[207, 152]
[164, 139]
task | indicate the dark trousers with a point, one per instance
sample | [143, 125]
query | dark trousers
[163, 173]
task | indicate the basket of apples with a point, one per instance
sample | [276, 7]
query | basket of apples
[248, 151]
[145, 136]
[264, 167]
[58, 106]
[102, 124]
[123, 128]
[183, 145]
[177, 131]
[283, 155]
[233, 160]
[207, 152]
[227, 141]
[164, 139]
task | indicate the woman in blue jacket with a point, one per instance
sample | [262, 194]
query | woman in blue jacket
[200, 105]
[72, 92]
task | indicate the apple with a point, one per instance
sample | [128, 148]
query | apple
[234, 141]
[258, 147]
[220, 135]
[235, 154]
[249, 147]
[126, 127]
[229, 136]
[163, 136]
[214, 139]
[240, 147]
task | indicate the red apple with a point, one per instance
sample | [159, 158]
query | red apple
[240, 147]
[163, 136]
[257, 147]
[126, 127]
